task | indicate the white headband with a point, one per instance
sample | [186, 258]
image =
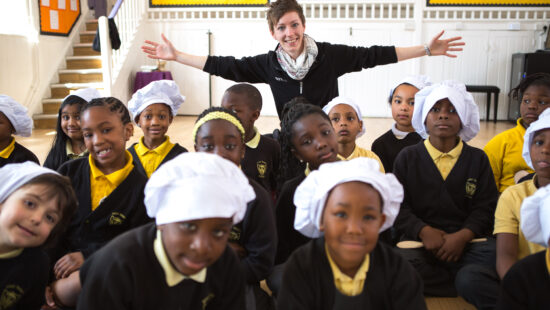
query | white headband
[163, 91]
[17, 114]
[535, 217]
[462, 100]
[348, 101]
[311, 196]
[542, 123]
[13, 176]
[196, 186]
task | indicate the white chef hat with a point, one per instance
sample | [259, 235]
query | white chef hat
[13, 176]
[542, 123]
[162, 91]
[418, 81]
[311, 195]
[345, 100]
[196, 186]
[17, 114]
[462, 100]
[87, 94]
[535, 217]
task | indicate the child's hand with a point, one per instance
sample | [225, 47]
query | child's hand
[164, 50]
[454, 244]
[68, 264]
[432, 238]
[50, 301]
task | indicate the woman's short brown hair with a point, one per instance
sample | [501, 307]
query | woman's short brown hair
[279, 8]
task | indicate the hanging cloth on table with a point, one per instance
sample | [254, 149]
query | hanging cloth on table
[113, 34]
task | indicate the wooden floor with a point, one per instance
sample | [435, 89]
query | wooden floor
[180, 131]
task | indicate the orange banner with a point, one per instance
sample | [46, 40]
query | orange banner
[58, 17]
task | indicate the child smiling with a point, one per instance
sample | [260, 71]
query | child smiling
[345, 205]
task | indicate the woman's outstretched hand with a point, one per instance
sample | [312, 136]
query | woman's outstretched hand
[443, 47]
[164, 50]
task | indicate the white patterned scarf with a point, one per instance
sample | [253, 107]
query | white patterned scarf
[297, 69]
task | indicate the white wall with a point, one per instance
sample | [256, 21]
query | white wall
[485, 60]
[29, 61]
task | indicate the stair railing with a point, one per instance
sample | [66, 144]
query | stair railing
[127, 17]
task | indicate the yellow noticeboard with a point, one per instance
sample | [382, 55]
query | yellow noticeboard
[58, 17]
[489, 2]
[176, 3]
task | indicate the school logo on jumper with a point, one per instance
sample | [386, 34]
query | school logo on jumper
[280, 79]
[206, 300]
[235, 234]
[117, 218]
[10, 296]
[262, 168]
[471, 185]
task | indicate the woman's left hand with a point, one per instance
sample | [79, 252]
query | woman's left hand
[443, 47]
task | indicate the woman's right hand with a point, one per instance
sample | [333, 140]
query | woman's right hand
[164, 50]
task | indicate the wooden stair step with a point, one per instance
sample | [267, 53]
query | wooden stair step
[51, 106]
[87, 36]
[84, 49]
[80, 75]
[45, 121]
[91, 25]
[83, 62]
[64, 89]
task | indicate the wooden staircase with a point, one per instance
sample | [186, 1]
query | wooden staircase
[83, 70]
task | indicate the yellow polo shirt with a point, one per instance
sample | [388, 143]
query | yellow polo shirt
[102, 185]
[345, 284]
[71, 154]
[11, 254]
[6, 152]
[361, 152]
[173, 276]
[151, 159]
[505, 155]
[548, 260]
[444, 161]
[254, 142]
[508, 215]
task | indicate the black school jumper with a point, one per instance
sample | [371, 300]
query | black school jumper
[20, 154]
[262, 163]
[526, 285]
[126, 274]
[23, 280]
[319, 86]
[466, 199]
[308, 282]
[387, 146]
[285, 211]
[256, 233]
[175, 151]
[122, 210]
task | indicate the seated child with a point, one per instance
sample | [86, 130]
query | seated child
[183, 260]
[68, 142]
[35, 206]
[14, 120]
[347, 121]
[450, 194]
[108, 186]
[154, 107]
[402, 133]
[261, 156]
[527, 283]
[219, 131]
[504, 150]
[345, 205]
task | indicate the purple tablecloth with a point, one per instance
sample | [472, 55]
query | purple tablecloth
[144, 78]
